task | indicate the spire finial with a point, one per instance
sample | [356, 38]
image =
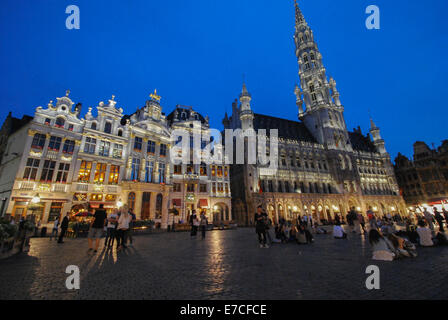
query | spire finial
[113, 97]
[154, 96]
[299, 16]
[67, 92]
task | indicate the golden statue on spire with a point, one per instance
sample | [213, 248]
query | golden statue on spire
[154, 96]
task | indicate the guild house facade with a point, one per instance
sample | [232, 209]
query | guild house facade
[59, 161]
[323, 168]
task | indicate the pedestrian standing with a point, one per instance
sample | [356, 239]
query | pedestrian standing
[351, 217]
[439, 219]
[112, 221]
[123, 227]
[193, 223]
[429, 219]
[97, 227]
[64, 227]
[54, 232]
[372, 219]
[445, 214]
[131, 227]
[260, 226]
[203, 224]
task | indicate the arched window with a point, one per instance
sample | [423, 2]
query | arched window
[120, 133]
[131, 200]
[60, 122]
[108, 127]
[93, 126]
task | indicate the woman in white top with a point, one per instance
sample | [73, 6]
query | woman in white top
[424, 234]
[338, 232]
[123, 227]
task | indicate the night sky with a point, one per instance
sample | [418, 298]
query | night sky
[195, 53]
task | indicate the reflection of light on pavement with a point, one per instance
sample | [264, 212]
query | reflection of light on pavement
[216, 272]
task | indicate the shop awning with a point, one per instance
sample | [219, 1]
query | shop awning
[177, 202]
[203, 203]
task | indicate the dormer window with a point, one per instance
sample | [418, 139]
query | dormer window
[47, 121]
[120, 133]
[183, 116]
[108, 127]
[60, 122]
[93, 126]
[70, 127]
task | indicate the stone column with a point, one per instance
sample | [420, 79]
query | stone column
[138, 204]
[165, 209]
[152, 205]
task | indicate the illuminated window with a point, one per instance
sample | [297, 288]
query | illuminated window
[63, 172]
[220, 187]
[96, 197]
[213, 171]
[84, 171]
[203, 169]
[219, 171]
[226, 171]
[227, 187]
[48, 171]
[38, 141]
[111, 197]
[32, 165]
[100, 173]
[114, 174]
[214, 187]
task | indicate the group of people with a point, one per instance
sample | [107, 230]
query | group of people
[118, 226]
[284, 231]
[387, 241]
[196, 223]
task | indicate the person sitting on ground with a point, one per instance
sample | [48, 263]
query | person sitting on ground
[424, 234]
[338, 232]
[320, 230]
[403, 248]
[381, 247]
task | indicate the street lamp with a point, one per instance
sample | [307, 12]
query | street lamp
[119, 204]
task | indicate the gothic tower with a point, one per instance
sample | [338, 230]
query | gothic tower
[376, 137]
[246, 113]
[323, 113]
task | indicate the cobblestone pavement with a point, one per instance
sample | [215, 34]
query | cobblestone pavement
[227, 265]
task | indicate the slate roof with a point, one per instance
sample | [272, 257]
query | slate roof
[361, 142]
[287, 129]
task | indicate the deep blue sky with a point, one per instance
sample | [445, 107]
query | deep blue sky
[195, 52]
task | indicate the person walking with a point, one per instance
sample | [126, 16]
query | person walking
[362, 223]
[194, 224]
[372, 219]
[97, 228]
[439, 219]
[54, 232]
[64, 227]
[445, 214]
[203, 224]
[123, 227]
[111, 229]
[131, 227]
[260, 226]
[351, 217]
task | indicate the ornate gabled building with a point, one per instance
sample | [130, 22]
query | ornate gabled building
[58, 162]
[423, 180]
[199, 186]
[323, 168]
